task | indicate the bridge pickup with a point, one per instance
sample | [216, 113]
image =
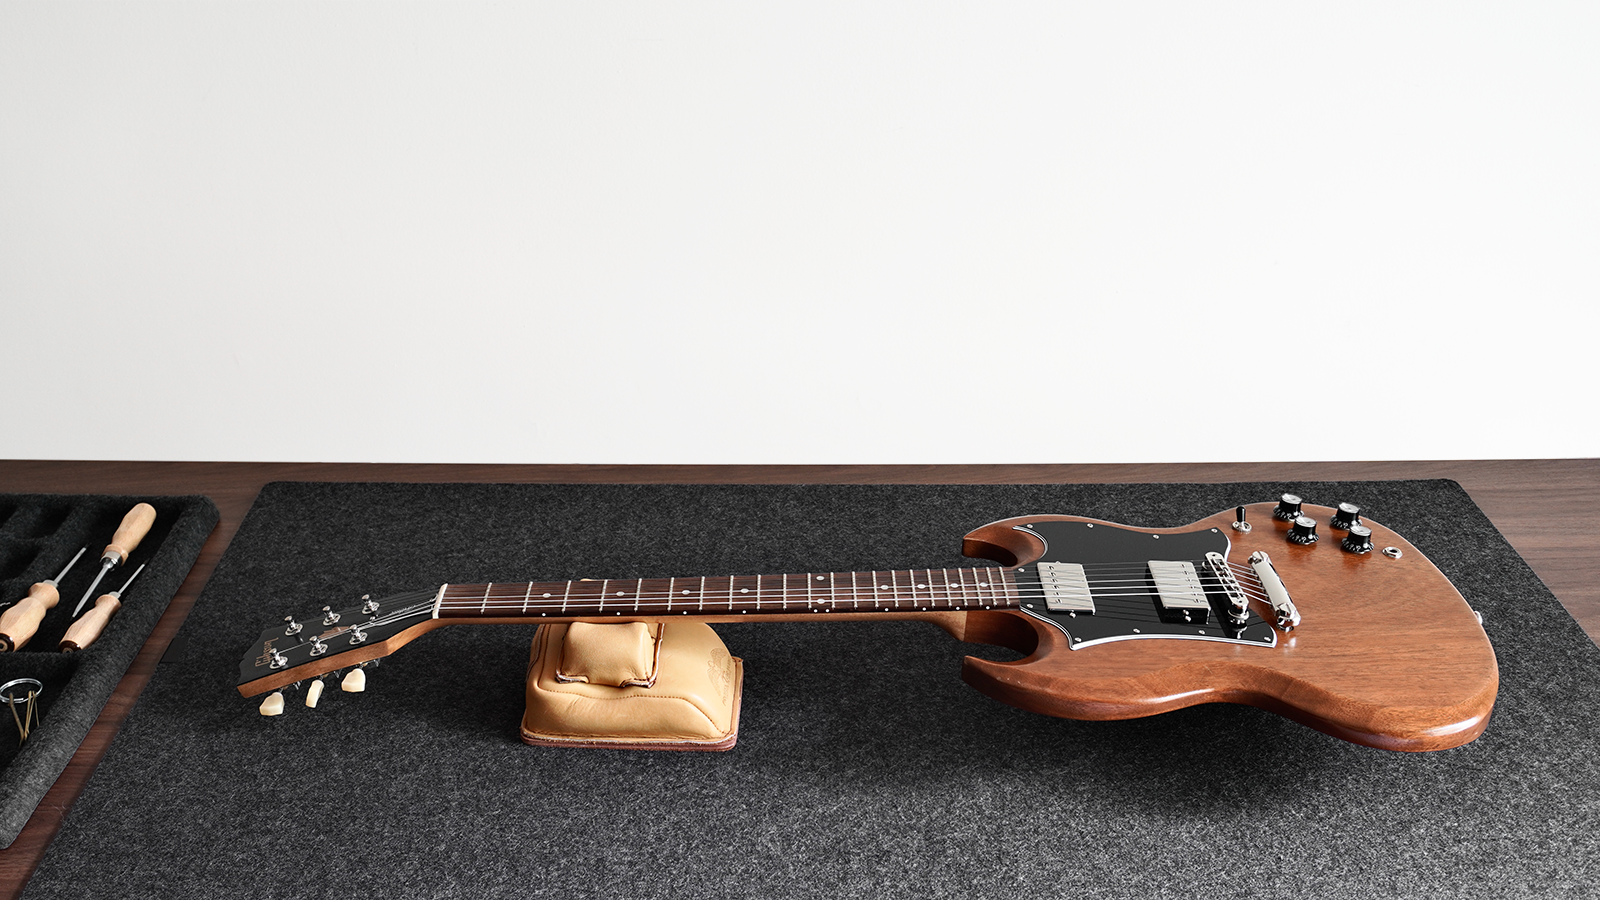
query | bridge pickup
[1178, 588]
[1066, 587]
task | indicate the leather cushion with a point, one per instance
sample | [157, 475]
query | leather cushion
[619, 655]
[693, 704]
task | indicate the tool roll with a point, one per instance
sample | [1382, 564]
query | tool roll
[632, 685]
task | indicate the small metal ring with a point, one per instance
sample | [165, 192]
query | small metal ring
[5, 691]
[1392, 552]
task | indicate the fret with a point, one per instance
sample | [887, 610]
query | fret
[646, 597]
[564, 596]
[808, 592]
[672, 585]
[894, 587]
[484, 609]
[527, 595]
[584, 598]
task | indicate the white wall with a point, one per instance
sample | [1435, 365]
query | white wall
[798, 232]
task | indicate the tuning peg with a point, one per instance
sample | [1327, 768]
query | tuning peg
[332, 618]
[370, 605]
[294, 627]
[355, 682]
[273, 705]
[314, 693]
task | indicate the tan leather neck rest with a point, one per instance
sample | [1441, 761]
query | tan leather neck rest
[632, 685]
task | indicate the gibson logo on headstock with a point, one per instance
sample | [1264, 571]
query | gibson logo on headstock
[265, 659]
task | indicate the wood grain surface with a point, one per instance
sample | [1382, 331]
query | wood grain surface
[1548, 509]
[1426, 686]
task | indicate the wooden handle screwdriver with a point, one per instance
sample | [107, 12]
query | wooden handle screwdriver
[135, 525]
[20, 622]
[84, 631]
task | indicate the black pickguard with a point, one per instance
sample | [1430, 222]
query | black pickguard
[1126, 608]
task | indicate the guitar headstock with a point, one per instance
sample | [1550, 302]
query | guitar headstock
[329, 640]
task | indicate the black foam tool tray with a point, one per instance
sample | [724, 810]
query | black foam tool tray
[865, 767]
[39, 533]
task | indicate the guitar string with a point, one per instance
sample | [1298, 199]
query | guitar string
[517, 594]
[1114, 604]
[519, 597]
[960, 591]
[953, 592]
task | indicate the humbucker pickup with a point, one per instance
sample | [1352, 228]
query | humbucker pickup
[1066, 587]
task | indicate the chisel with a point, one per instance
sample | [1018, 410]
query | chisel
[135, 525]
[84, 631]
[21, 621]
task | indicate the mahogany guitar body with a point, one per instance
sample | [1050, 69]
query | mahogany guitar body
[1388, 654]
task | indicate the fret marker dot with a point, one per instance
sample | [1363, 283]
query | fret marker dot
[820, 578]
[547, 595]
[744, 590]
[921, 586]
[620, 593]
[686, 592]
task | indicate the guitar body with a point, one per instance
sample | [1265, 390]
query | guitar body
[1387, 654]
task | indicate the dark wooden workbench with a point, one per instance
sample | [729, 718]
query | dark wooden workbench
[1548, 509]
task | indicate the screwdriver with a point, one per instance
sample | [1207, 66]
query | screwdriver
[85, 630]
[21, 621]
[135, 525]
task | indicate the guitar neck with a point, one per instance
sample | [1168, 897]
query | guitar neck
[902, 590]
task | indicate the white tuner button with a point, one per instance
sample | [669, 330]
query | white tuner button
[273, 705]
[314, 693]
[355, 682]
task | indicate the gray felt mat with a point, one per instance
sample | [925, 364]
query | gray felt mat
[864, 768]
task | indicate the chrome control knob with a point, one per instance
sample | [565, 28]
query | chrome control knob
[1304, 531]
[1359, 540]
[1288, 508]
[1348, 514]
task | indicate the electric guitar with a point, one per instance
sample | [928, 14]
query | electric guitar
[1352, 631]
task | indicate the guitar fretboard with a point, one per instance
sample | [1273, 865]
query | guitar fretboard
[899, 590]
